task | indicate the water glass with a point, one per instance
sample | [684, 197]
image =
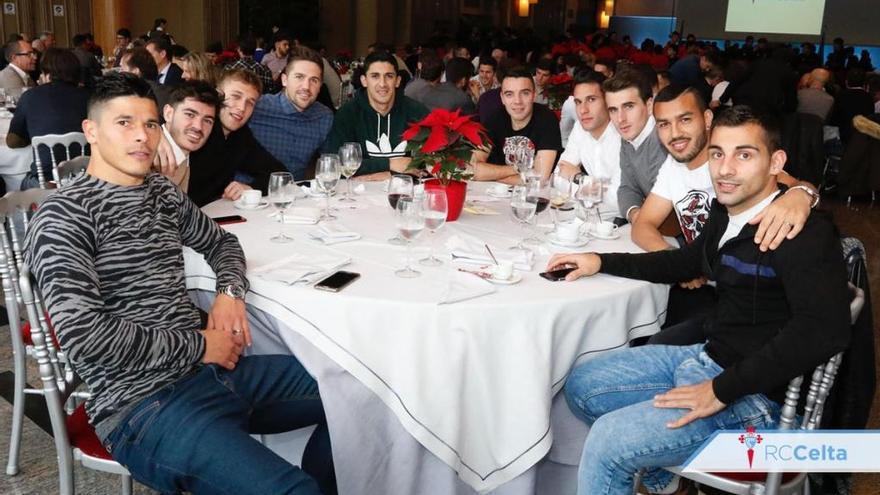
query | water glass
[400, 186]
[282, 194]
[327, 174]
[410, 224]
[434, 209]
[523, 207]
[588, 193]
[351, 156]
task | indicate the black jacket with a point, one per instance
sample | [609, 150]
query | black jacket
[214, 165]
[779, 313]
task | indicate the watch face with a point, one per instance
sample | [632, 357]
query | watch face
[234, 291]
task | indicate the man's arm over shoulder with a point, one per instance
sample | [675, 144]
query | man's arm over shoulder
[813, 274]
[61, 249]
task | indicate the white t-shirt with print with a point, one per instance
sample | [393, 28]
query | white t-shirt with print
[690, 192]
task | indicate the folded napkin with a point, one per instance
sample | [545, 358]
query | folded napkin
[312, 190]
[302, 269]
[300, 215]
[334, 233]
[462, 286]
[469, 249]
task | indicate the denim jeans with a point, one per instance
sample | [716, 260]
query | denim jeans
[194, 434]
[613, 393]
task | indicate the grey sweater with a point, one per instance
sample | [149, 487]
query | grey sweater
[638, 171]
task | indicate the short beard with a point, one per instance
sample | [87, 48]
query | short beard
[700, 140]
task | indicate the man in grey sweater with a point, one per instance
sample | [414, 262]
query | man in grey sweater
[630, 100]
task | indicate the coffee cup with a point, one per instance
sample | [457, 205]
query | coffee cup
[251, 197]
[499, 189]
[503, 270]
[606, 229]
[568, 231]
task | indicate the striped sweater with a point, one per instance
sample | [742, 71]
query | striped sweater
[109, 262]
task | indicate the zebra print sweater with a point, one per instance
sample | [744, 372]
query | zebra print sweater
[109, 262]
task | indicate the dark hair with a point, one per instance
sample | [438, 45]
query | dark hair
[215, 47]
[61, 65]
[458, 68]
[518, 72]
[118, 85]
[380, 56]
[124, 32]
[432, 66]
[161, 45]
[280, 36]
[629, 79]
[544, 64]
[178, 51]
[740, 115]
[298, 53]
[200, 91]
[140, 59]
[242, 75]
[673, 91]
[10, 50]
[78, 40]
[588, 76]
[488, 60]
[248, 45]
[855, 77]
[159, 21]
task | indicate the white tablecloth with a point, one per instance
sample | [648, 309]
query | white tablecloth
[473, 381]
[14, 163]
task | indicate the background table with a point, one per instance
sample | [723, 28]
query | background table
[469, 386]
[14, 163]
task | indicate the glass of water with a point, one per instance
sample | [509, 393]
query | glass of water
[523, 207]
[434, 209]
[327, 174]
[282, 193]
[351, 156]
[588, 193]
[410, 224]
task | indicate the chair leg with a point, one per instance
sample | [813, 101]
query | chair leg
[65, 475]
[126, 484]
[637, 480]
[17, 414]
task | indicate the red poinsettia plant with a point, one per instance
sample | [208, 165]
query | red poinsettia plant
[558, 89]
[442, 143]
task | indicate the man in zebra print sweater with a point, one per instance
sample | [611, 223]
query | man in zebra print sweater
[173, 400]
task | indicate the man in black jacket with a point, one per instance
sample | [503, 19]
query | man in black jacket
[779, 314]
[232, 156]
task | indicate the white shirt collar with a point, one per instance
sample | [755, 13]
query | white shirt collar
[648, 129]
[180, 155]
[22, 74]
[163, 73]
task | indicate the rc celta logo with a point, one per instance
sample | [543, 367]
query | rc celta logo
[750, 439]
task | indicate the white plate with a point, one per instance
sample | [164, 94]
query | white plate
[241, 206]
[614, 235]
[582, 241]
[495, 194]
[514, 279]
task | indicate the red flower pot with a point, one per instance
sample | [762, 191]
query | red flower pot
[455, 195]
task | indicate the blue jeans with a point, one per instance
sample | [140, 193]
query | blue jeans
[613, 393]
[194, 434]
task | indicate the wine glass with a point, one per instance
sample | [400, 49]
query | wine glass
[525, 163]
[410, 224]
[282, 193]
[400, 186]
[560, 196]
[351, 156]
[540, 190]
[434, 209]
[327, 174]
[588, 192]
[523, 207]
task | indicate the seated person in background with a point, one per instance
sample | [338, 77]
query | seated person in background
[813, 98]
[231, 147]
[89, 66]
[376, 118]
[57, 106]
[276, 60]
[22, 60]
[139, 62]
[189, 116]
[451, 94]
[684, 186]
[429, 69]
[519, 126]
[766, 328]
[543, 73]
[630, 99]
[594, 144]
[292, 125]
[851, 101]
[170, 74]
[247, 45]
[197, 66]
[485, 78]
[120, 309]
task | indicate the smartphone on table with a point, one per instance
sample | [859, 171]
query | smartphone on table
[337, 281]
[230, 219]
[557, 275]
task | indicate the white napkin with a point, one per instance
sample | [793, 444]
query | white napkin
[301, 269]
[462, 286]
[469, 249]
[334, 233]
[300, 215]
[312, 191]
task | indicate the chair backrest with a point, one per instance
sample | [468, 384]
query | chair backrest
[68, 170]
[51, 141]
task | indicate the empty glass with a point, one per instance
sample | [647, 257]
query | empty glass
[400, 186]
[588, 193]
[282, 194]
[351, 156]
[327, 174]
[410, 224]
[434, 209]
[540, 190]
[523, 208]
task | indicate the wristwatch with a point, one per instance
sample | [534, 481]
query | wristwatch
[814, 196]
[234, 291]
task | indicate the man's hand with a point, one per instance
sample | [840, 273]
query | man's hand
[568, 170]
[234, 189]
[164, 161]
[585, 264]
[699, 398]
[222, 347]
[229, 314]
[782, 219]
[693, 284]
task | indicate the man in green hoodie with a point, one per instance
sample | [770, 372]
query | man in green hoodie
[376, 118]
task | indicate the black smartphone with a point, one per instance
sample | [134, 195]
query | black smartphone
[230, 219]
[337, 281]
[557, 275]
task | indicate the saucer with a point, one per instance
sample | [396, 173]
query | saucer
[259, 206]
[514, 279]
[581, 241]
[497, 194]
[614, 235]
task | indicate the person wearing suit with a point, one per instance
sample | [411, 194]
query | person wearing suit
[170, 74]
[22, 60]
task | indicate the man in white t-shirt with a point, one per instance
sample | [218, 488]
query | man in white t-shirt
[594, 144]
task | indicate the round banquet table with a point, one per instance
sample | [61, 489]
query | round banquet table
[424, 396]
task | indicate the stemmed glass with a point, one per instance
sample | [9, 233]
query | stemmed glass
[282, 193]
[434, 209]
[399, 187]
[523, 160]
[588, 193]
[410, 224]
[540, 190]
[560, 195]
[523, 207]
[351, 156]
[327, 174]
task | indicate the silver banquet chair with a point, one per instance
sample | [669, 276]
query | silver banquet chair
[51, 141]
[68, 170]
